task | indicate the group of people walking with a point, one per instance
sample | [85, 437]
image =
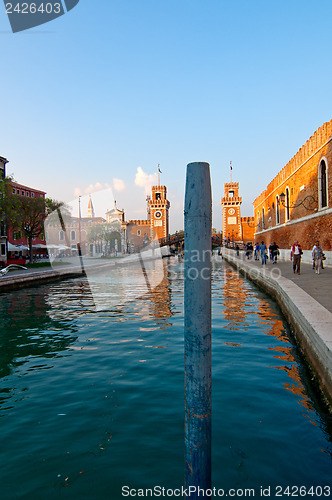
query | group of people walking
[262, 253]
[317, 255]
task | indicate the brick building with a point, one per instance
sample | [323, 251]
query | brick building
[15, 238]
[113, 234]
[235, 229]
[297, 203]
[3, 233]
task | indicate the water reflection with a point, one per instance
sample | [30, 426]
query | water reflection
[235, 298]
[237, 294]
[100, 398]
[27, 330]
[114, 300]
[159, 302]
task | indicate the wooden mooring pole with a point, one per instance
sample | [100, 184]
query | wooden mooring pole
[197, 334]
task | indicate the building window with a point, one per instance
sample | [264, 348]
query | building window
[3, 249]
[287, 205]
[22, 193]
[14, 191]
[2, 229]
[73, 235]
[263, 218]
[277, 210]
[158, 196]
[17, 235]
[230, 194]
[32, 195]
[322, 184]
[138, 232]
[61, 236]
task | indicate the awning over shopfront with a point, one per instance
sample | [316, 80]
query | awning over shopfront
[16, 248]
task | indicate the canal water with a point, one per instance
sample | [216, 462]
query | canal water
[92, 400]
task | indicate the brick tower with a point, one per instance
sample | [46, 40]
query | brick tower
[158, 206]
[231, 218]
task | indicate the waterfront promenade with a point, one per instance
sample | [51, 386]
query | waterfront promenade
[317, 286]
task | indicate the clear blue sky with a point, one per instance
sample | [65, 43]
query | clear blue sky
[114, 85]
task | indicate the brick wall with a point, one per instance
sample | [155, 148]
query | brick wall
[301, 178]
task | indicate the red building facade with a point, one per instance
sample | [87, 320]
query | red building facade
[17, 243]
[297, 204]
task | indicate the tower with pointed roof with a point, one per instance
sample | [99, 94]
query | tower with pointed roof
[91, 211]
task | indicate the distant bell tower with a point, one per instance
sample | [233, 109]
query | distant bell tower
[158, 206]
[91, 211]
[231, 216]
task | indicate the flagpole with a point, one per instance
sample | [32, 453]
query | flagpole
[158, 174]
[231, 168]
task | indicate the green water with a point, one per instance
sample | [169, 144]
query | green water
[93, 401]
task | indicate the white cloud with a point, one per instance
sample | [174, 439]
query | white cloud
[145, 180]
[118, 185]
[92, 188]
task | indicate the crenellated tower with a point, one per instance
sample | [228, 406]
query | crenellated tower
[231, 217]
[158, 207]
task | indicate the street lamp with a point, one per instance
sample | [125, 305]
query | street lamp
[251, 223]
[311, 199]
[79, 220]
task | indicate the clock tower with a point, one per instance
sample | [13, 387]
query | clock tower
[158, 208]
[231, 217]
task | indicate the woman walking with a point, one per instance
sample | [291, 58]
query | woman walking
[317, 254]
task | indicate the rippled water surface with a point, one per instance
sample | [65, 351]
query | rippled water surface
[92, 400]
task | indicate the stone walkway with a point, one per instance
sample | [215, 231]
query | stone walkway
[318, 286]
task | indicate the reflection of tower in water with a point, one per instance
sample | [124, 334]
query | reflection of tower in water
[276, 328]
[237, 295]
[159, 301]
[234, 298]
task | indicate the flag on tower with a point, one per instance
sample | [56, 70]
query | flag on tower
[159, 169]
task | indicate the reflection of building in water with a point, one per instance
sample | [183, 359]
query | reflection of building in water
[27, 329]
[160, 297]
[70, 300]
[235, 296]
[276, 328]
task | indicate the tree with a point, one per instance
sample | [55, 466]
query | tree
[24, 214]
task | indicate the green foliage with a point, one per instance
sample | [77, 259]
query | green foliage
[24, 214]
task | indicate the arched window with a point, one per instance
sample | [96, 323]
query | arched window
[61, 236]
[263, 217]
[277, 210]
[287, 204]
[322, 184]
[73, 235]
